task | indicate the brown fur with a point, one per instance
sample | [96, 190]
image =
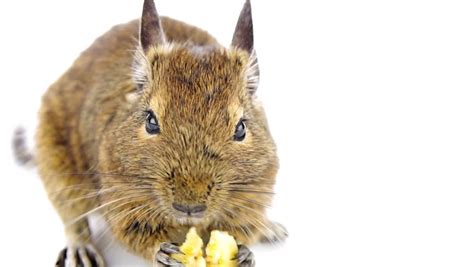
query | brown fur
[94, 154]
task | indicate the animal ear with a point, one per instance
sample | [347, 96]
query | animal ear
[243, 34]
[151, 31]
[243, 39]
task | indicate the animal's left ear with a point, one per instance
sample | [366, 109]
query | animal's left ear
[151, 34]
[243, 39]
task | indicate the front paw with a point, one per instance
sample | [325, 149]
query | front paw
[245, 257]
[79, 256]
[163, 256]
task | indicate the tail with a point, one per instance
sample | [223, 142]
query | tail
[20, 150]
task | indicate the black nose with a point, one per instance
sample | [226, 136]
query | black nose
[190, 209]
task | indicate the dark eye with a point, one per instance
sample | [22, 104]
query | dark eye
[152, 126]
[240, 131]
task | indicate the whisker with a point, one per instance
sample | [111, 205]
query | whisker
[233, 227]
[108, 175]
[82, 216]
[72, 201]
[248, 183]
[244, 190]
[120, 215]
[253, 223]
[87, 186]
[252, 201]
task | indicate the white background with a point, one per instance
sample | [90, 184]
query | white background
[371, 104]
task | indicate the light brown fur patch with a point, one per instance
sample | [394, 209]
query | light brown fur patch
[94, 154]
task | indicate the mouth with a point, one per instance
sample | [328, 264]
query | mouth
[189, 214]
[189, 220]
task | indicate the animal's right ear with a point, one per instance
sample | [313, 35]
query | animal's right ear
[151, 31]
[243, 34]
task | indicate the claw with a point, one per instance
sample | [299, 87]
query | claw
[170, 248]
[163, 256]
[80, 256]
[245, 257]
[61, 262]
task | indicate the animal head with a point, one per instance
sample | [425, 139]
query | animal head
[196, 147]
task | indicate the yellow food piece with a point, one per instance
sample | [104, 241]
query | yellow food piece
[220, 251]
[192, 249]
[190, 261]
[193, 244]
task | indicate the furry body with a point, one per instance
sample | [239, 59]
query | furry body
[94, 155]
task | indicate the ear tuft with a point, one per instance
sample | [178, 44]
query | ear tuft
[140, 70]
[151, 32]
[252, 73]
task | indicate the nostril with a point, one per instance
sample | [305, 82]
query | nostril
[198, 208]
[189, 209]
[182, 208]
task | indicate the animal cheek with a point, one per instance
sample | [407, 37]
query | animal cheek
[210, 188]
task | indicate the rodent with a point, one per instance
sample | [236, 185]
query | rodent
[158, 140]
